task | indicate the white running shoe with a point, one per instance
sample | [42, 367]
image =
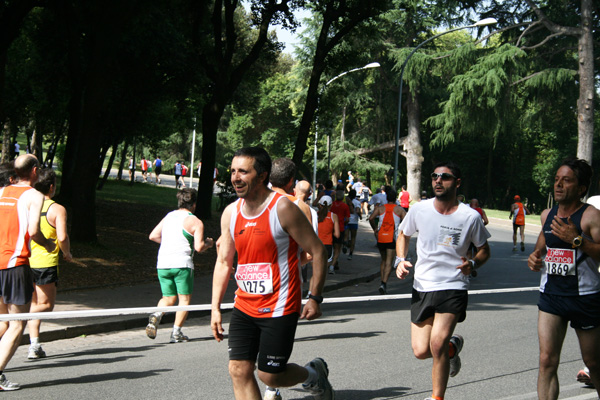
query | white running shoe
[321, 389]
[178, 337]
[36, 352]
[455, 363]
[152, 327]
[272, 394]
[5, 384]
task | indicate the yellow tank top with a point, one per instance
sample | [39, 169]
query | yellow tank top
[40, 258]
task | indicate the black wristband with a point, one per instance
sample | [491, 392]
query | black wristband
[318, 299]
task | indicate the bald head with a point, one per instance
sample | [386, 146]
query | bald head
[474, 203]
[303, 190]
[26, 167]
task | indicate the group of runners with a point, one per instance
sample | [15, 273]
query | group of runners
[271, 235]
[268, 297]
[28, 274]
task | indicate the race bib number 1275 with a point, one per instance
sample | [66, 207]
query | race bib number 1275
[560, 262]
[255, 278]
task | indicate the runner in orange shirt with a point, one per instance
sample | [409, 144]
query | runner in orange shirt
[517, 213]
[266, 230]
[390, 215]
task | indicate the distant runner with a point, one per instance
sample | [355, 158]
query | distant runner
[517, 213]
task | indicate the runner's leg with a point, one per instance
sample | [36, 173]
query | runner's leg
[551, 332]
[589, 342]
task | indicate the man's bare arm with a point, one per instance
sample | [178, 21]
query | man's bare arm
[222, 272]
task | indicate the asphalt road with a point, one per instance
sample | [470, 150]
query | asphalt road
[366, 344]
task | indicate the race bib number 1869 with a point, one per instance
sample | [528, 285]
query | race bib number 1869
[560, 262]
[255, 278]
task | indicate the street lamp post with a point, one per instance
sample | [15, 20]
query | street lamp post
[483, 22]
[370, 65]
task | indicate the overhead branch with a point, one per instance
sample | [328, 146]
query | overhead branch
[526, 78]
[546, 40]
[486, 37]
[550, 25]
[527, 30]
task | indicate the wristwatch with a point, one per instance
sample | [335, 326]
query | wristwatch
[473, 264]
[578, 241]
[318, 299]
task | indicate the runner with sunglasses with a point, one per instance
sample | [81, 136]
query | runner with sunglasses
[439, 297]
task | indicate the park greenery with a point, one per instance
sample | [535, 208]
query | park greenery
[87, 84]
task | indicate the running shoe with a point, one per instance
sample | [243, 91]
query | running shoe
[350, 256]
[153, 322]
[583, 376]
[178, 337]
[382, 288]
[321, 389]
[344, 248]
[331, 270]
[522, 246]
[514, 248]
[455, 363]
[5, 384]
[36, 352]
[272, 394]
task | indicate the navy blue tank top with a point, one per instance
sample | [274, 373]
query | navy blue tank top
[567, 271]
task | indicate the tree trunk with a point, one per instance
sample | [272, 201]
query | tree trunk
[6, 148]
[37, 141]
[211, 115]
[413, 151]
[113, 154]
[6, 151]
[123, 160]
[585, 104]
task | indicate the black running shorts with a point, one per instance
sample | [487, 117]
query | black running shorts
[16, 285]
[44, 276]
[386, 246]
[582, 311]
[329, 249]
[271, 339]
[425, 305]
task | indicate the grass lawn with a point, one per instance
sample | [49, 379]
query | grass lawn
[141, 193]
[503, 214]
[123, 254]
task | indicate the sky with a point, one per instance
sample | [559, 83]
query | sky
[291, 38]
[285, 36]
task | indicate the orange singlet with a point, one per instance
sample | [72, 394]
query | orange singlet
[326, 229]
[14, 237]
[388, 223]
[268, 271]
[519, 218]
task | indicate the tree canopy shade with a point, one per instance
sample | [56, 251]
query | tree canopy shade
[135, 75]
[337, 19]
[557, 34]
[225, 51]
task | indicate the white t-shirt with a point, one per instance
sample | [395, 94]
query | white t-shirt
[353, 215]
[443, 240]
[595, 201]
[358, 187]
[379, 198]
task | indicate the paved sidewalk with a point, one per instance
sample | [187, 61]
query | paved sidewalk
[363, 267]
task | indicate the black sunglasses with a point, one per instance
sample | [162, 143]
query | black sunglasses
[444, 175]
